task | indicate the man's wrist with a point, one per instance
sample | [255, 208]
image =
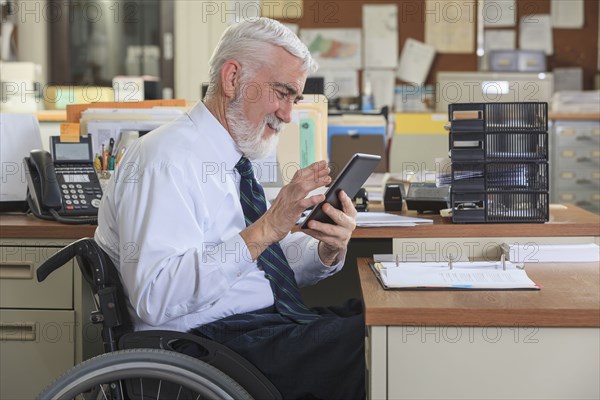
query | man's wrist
[258, 237]
[327, 257]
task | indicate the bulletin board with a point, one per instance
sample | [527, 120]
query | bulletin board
[572, 47]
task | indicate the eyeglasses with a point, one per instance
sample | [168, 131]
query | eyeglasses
[285, 92]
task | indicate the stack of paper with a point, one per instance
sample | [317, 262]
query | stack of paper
[533, 252]
[376, 219]
[461, 275]
[110, 123]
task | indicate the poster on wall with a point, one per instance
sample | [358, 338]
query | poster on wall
[334, 48]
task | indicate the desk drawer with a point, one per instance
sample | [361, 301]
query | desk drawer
[35, 348]
[586, 199]
[578, 134]
[19, 287]
[578, 158]
[578, 179]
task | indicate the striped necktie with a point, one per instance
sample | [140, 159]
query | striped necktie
[288, 300]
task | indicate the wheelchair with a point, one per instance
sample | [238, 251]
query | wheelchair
[146, 364]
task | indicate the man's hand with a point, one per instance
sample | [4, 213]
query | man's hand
[334, 238]
[287, 208]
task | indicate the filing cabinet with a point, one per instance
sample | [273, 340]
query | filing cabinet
[43, 326]
[576, 163]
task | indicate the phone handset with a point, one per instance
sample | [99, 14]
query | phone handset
[49, 191]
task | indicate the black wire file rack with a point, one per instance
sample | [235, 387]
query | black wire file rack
[499, 157]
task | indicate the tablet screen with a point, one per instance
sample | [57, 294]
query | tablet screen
[350, 180]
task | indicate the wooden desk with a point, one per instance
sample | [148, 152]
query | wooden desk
[487, 344]
[28, 227]
[565, 220]
[570, 297]
[394, 335]
[568, 224]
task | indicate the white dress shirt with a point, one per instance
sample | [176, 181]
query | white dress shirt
[170, 219]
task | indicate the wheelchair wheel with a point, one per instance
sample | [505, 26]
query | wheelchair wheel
[144, 374]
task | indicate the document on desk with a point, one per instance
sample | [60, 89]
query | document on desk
[457, 275]
[377, 219]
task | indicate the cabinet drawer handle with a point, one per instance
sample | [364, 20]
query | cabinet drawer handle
[467, 115]
[16, 270]
[18, 331]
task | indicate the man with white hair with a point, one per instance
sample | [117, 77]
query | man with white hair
[200, 250]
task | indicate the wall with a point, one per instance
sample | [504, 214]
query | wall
[198, 27]
[572, 47]
[31, 29]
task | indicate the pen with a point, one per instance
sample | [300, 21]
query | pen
[104, 159]
[97, 163]
[119, 156]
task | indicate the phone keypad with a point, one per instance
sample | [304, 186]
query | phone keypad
[80, 188]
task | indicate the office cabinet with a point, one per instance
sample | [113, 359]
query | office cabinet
[492, 362]
[19, 287]
[576, 163]
[43, 326]
[36, 346]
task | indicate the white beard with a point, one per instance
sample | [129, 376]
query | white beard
[249, 140]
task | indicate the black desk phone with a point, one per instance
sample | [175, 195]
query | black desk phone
[64, 186]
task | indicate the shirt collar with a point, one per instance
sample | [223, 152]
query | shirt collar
[216, 133]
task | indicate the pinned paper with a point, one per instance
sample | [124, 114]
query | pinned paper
[567, 14]
[499, 14]
[382, 83]
[415, 61]
[450, 25]
[536, 33]
[380, 25]
[69, 132]
[339, 82]
[334, 48]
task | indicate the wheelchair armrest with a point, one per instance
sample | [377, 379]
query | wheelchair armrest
[57, 260]
[211, 352]
[90, 257]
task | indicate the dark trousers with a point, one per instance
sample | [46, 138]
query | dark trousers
[324, 359]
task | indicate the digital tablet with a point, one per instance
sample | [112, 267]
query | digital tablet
[350, 180]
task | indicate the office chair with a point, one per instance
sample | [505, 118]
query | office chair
[148, 356]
